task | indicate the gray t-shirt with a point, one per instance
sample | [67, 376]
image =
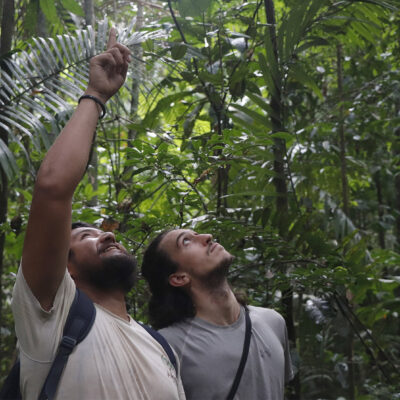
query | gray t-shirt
[210, 354]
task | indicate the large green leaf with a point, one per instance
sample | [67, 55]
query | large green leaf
[7, 161]
[298, 74]
[193, 8]
[49, 10]
[73, 6]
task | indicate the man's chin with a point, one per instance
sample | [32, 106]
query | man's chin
[118, 272]
[219, 274]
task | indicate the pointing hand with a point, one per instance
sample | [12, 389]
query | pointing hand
[108, 70]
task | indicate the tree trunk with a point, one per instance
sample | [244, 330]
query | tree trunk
[88, 8]
[137, 67]
[282, 204]
[92, 171]
[342, 142]
[7, 32]
[397, 176]
[345, 199]
[41, 25]
[137, 72]
[381, 230]
[278, 126]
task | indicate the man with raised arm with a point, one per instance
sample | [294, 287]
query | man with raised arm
[206, 325]
[118, 359]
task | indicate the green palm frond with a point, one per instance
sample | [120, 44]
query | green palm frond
[39, 86]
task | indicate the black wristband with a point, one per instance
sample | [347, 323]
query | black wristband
[96, 100]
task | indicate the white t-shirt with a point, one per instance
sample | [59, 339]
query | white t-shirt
[117, 360]
[210, 355]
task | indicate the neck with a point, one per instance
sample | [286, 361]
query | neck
[218, 305]
[113, 300]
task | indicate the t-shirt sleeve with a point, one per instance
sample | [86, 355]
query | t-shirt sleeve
[278, 324]
[181, 391]
[170, 336]
[289, 374]
[39, 331]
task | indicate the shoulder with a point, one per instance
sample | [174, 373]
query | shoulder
[265, 313]
[268, 317]
[23, 296]
[176, 333]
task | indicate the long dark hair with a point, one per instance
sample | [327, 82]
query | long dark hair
[167, 304]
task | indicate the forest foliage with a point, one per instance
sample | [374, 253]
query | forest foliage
[273, 125]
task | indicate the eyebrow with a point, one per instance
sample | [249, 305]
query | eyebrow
[179, 236]
[83, 231]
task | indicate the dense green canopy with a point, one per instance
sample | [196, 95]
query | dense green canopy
[273, 125]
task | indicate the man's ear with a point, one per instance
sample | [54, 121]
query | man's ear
[179, 279]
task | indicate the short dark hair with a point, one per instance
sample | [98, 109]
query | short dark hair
[80, 224]
[168, 304]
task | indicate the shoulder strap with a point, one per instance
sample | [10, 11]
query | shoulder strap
[165, 345]
[10, 389]
[80, 320]
[243, 360]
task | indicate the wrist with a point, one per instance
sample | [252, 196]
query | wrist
[101, 108]
[91, 92]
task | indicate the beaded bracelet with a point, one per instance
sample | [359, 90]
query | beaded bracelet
[96, 100]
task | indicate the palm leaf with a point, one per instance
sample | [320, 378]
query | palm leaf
[39, 86]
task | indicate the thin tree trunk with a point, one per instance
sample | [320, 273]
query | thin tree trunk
[345, 199]
[93, 168]
[282, 204]
[41, 23]
[381, 230]
[137, 67]
[138, 72]
[7, 33]
[342, 142]
[88, 8]
[397, 176]
[278, 126]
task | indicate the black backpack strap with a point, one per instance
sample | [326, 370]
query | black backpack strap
[80, 319]
[10, 389]
[245, 353]
[165, 345]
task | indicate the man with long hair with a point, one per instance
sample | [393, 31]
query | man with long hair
[118, 359]
[196, 310]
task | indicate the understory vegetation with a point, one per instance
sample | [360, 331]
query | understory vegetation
[272, 124]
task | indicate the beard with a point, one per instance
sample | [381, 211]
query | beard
[218, 275]
[115, 272]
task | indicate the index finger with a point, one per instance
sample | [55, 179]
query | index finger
[112, 38]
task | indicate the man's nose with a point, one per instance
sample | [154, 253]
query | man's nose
[206, 238]
[107, 237]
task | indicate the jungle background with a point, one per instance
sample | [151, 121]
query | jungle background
[272, 124]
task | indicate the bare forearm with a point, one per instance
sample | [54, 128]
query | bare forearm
[65, 162]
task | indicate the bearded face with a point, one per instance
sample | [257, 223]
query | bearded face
[197, 254]
[97, 260]
[115, 272]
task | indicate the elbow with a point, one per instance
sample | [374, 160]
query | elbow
[51, 185]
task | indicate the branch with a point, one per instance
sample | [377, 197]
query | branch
[367, 348]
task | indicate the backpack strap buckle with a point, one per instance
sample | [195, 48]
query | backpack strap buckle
[67, 343]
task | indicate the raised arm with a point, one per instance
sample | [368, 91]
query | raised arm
[46, 246]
